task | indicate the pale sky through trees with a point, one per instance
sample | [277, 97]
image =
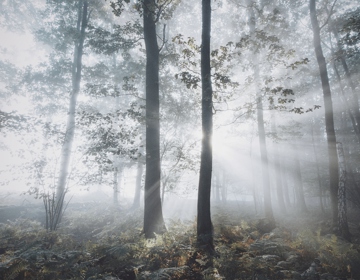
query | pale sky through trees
[286, 42]
[180, 139]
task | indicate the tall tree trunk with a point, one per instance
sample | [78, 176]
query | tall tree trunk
[40, 165]
[153, 217]
[342, 219]
[136, 202]
[253, 182]
[285, 185]
[317, 170]
[277, 166]
[279, 182]
[217, 178]
[346, 103]
[329, 118]
[163, 186]
[298, 183]
[115, 187]
[70, 126]
[260, 122]
[223, 186]
[204, 225]
[353, 109]
[116, 181]
[354, 100]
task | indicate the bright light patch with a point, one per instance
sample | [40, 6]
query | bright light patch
[19, 49]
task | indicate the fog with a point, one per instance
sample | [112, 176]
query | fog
[75, 117]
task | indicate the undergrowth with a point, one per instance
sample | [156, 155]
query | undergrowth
[108, 244]
[335, 254]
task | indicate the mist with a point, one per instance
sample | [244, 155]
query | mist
[119, 147]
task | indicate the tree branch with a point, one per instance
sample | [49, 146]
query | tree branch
[163, 39]
[329, 14]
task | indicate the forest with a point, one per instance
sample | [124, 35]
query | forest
[179, 139]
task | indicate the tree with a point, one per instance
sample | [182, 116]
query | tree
[298, 181]
[136, 202]
[204, 225]
[278, 169]
[329, 117]
[153, 218]
[18, 15]
[260, 123]
[65, 32]
[351, 99]
[342, 219]
[82, 21]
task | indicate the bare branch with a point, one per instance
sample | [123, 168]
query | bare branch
[329, 14]
[163, 39]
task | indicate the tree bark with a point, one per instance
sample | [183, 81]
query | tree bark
[153, 217]
[204, 224]
[70, 126]
[342, 219]
[329, 118]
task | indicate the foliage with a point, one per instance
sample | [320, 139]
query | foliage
[95, 241]
[89, 245]
[121, 38]
[336, 255]
[12, 122]
[350, 29]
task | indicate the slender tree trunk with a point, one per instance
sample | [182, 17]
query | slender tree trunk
[298, 184]
[136, 202]
[354, 100]
[346, 103]
[285, 186]
[153, 217]
[352, 110]
[163, 187]
[277, 166]
[279, 182]
[116, 181]
[253, 183]
[223, 188]
[342, 219]
[261, 127]
[204, 225]
[217, 177]
[329, 118]
[115, 187]
[317, 170]
[39, 180]
[70, 126]
[352, 192]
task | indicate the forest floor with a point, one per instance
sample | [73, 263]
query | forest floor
[95, 241]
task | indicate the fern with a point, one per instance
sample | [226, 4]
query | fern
[337, 256]
[16, 266]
